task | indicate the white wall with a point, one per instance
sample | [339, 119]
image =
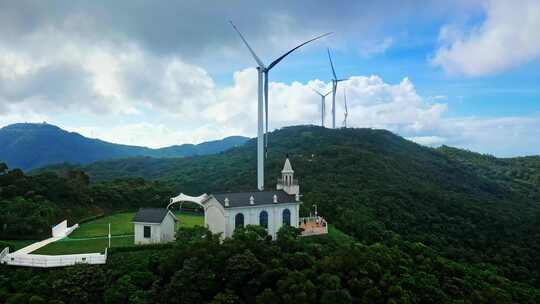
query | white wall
[215, 217]
[168, 228]
[62, 230]
[252, 213]
[155, 233]
[159, 233]
[59, 229]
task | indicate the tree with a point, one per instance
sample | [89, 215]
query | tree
[3, 168]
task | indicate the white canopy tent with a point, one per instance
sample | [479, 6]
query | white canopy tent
[186, 198]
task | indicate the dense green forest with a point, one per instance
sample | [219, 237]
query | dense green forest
[32, 204]
[429, 225]
[250, 268]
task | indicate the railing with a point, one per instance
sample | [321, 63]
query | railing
[313, 225]
[281, 181]
[45, 261]
[3, 254]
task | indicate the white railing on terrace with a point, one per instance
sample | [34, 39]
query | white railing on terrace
[313, 225]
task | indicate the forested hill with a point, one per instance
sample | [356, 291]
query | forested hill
[371, 184]
[429, 226]
[28, 146]
[520, 173]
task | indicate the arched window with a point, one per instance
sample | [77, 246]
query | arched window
[286, 217]
[239, 220]
[263, 219]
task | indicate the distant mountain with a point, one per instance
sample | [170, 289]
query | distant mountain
[29, 146]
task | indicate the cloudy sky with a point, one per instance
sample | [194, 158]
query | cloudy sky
[158, 73]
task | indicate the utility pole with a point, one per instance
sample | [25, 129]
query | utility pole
[109, 235]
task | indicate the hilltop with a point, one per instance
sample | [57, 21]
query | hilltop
[29, 146]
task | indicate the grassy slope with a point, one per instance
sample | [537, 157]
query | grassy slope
[92, 236]
[16, 244]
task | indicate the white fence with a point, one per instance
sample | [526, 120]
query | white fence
[37, 260]
[3, 254]
[23, 257]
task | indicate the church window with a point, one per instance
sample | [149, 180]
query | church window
[263, 219]
[239, 220]
[286, 217]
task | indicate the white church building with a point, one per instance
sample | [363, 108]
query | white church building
[224, 212]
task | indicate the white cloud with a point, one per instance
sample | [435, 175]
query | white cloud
[373, 48]
[428, 140]
[507, 38]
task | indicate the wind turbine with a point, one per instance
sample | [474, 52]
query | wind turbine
[346, 111]
[262, 72]
[323, 105]
[335, 81]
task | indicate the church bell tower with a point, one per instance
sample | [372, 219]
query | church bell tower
[287, 182]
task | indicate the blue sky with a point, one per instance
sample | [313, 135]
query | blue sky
[461, 73]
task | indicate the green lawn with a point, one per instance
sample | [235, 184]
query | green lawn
[121, 224]
[16, 244]
[75, 246]
[92, 236]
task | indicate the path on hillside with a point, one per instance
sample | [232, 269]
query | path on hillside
[35, 246]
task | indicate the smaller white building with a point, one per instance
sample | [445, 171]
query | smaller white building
[154, 226]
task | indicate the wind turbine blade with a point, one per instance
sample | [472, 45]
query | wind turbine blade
[327, 94]
[342, 79]
[259, 62]
[271, 65]
[318, 92]
[331, 64]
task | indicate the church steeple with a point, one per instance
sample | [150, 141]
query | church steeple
[287, 182]
[287, 174]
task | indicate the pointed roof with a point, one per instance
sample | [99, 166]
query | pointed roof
[287, 168]
[152, 215]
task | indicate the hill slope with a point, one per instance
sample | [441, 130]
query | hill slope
[29, 146]
[373, 184]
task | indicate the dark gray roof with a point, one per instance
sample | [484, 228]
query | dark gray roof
[150, 215]
[241, 199]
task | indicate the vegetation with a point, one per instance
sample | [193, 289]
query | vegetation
[92, 236]
[87, 245]
[371, 183]
[249, 268]
[31, 205]
[419, 225]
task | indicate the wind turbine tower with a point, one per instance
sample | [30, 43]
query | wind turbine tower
[335, 81]
[262, 117]
[346, 110]
[323, 105]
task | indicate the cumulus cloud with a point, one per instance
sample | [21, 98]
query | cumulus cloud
[137, 73]
[508, 37]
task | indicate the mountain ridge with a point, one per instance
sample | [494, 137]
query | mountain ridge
[29, 146]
